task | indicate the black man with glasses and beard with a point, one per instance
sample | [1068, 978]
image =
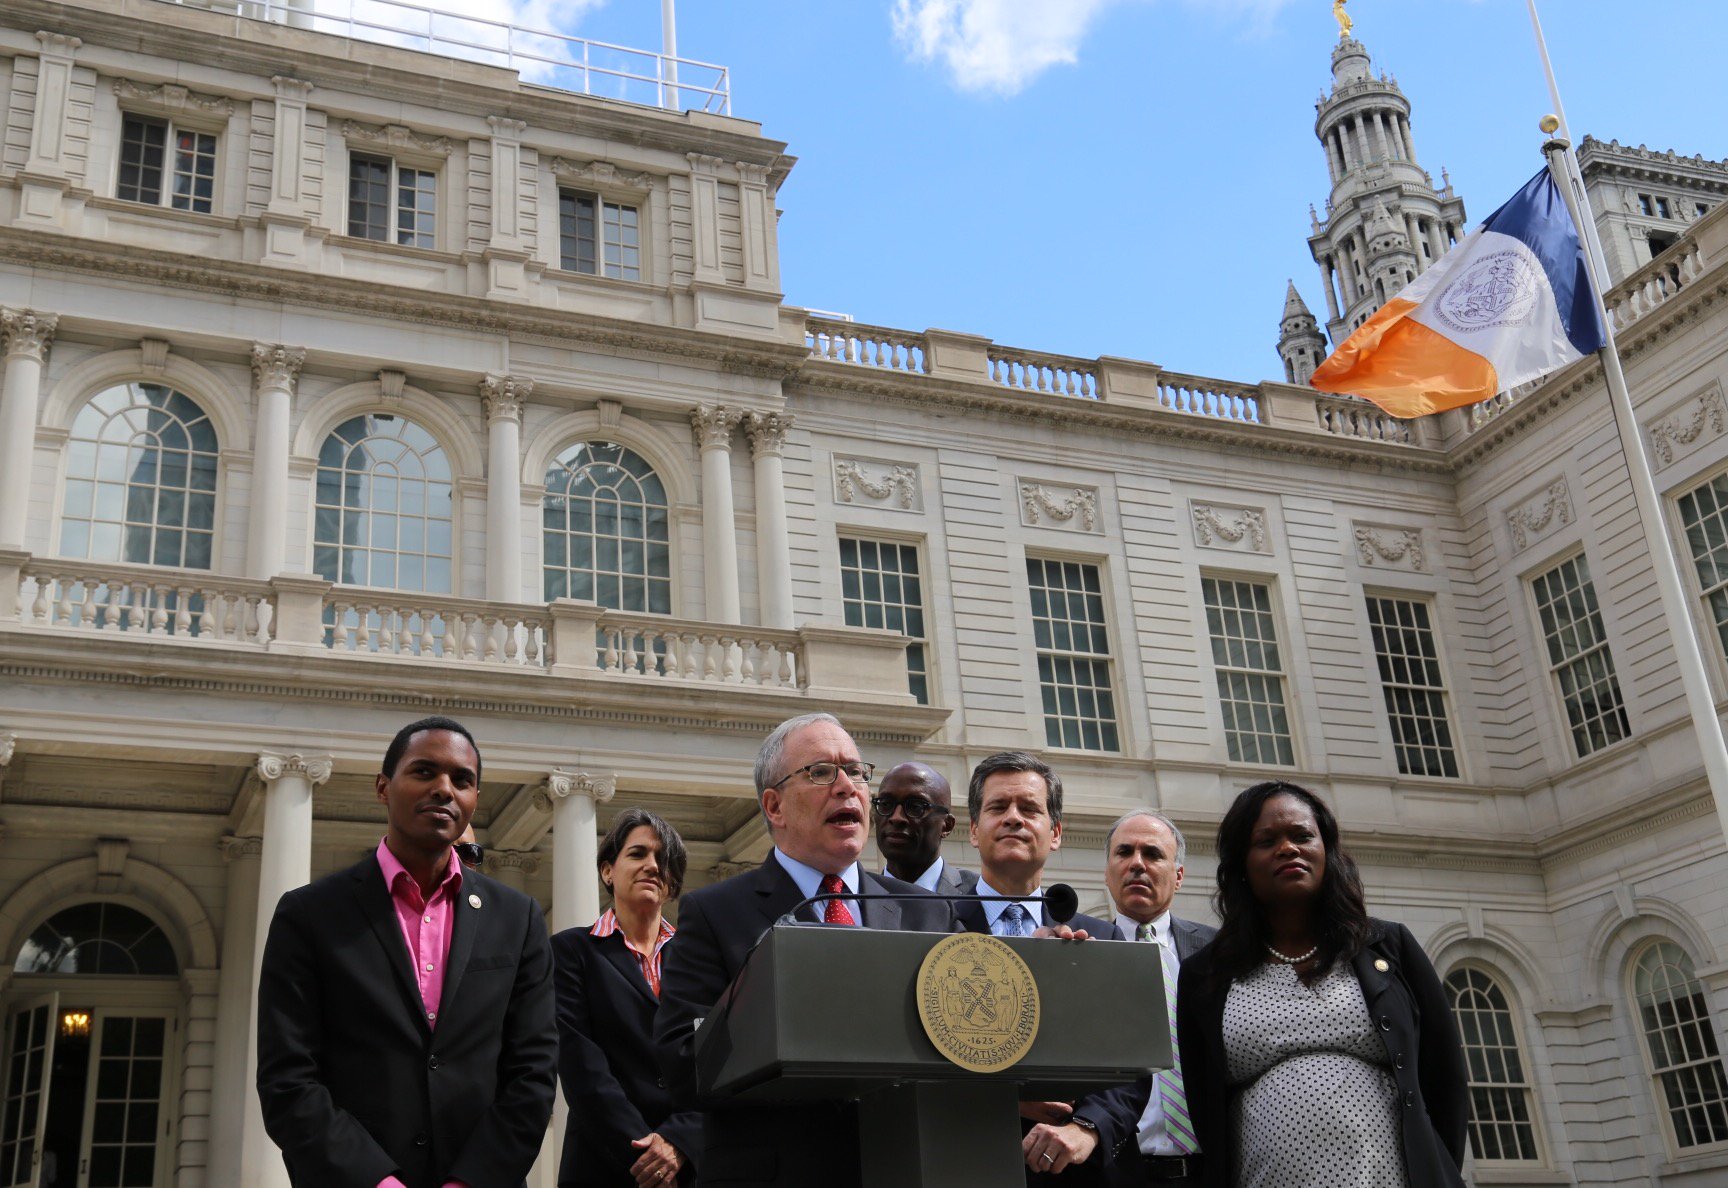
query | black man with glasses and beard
[812, 787]
[914, 811]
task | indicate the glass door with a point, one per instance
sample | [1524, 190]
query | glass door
[29, 1046]
[122, 1100]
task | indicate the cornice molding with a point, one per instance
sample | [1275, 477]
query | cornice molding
[397, 138]
[173, 98]
[603, 176]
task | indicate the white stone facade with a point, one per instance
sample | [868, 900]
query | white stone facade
[188, 742]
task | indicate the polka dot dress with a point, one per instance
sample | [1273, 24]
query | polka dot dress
[1313, 1101]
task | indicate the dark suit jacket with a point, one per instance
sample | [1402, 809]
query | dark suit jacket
[1116, 1112]
[955, 881]
[355, 1084]
[1409, 1007]
[606, 1063]
[793, 1145]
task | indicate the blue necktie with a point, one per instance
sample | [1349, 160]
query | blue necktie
[1015, 921]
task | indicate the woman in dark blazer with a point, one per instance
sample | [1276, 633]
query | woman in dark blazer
[622, 1131]
[1317, 1044]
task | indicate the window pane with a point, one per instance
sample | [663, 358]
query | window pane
[1249, 673]
[378, 467]
[604, 528]
[879, 590]
[1073, 643]
[1578, 654]
[1411, 684]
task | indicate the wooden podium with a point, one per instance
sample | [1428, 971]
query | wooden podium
[825, 1013]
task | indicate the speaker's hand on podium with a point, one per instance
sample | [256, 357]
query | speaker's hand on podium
[1053, 1149]
[1060, 932]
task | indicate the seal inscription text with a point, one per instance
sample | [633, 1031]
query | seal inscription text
[978, 1001]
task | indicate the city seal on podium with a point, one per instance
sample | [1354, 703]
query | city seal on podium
[978, 1001]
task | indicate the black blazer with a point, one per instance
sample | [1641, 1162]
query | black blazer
[1408, 1005]
[1116, 1113]
[355, 1084]
[606, 1063]
[793, 1145]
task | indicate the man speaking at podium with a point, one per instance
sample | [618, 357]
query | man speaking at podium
[812, 786]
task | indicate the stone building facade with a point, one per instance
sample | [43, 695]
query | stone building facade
[343, 385]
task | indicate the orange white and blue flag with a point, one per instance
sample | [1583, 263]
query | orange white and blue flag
[1511, 302]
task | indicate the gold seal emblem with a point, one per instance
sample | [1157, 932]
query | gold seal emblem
[978, 1002]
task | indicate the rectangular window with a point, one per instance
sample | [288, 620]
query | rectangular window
[1579, 657]
[1704, 513]
[1646, 205]
[161, 164]
[880, 587]
[392, 203]
[1073, 645]
[1415, 690]
[1662, 209]
[1701, 208]
[599, 237]
[1250, 670]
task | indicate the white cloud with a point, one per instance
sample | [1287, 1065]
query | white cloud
[996, 46]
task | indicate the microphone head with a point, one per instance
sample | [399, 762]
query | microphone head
[1060, 902]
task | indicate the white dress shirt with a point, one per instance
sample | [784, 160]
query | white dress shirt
[1153, 1138]
[809, 881]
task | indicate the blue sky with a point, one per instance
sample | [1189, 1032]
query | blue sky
[1150, 197]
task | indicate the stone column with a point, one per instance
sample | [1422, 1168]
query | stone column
[285, 862]
[24, 339]
[713, 424]
[572, 797]
[1329, 283]
[767, 432]
[275, 370]
[234, 1109]
[513, 868]
[502, 396]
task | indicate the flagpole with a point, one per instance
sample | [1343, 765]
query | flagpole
[1676, 604]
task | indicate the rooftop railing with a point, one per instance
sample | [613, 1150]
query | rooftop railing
[542, 56]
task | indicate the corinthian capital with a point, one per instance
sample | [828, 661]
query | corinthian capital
[519, 860]
[713, 424]
[560, 784]
[767, 432]
[26, 332]
[503, 396]
[237, 846]
[276, 366]
[315, 769]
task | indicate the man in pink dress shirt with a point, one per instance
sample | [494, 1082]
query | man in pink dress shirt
[406, 1031]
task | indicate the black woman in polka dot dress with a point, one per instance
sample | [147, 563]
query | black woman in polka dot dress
[1318, 1049]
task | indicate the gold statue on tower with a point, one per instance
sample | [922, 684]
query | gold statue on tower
[1343, 18]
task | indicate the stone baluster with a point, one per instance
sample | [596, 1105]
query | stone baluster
[25, 336]
[573, 798]
[502, 397]
[713, 424]
[275, 371]
[767, 432]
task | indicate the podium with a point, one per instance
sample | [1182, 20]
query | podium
[824, 1013]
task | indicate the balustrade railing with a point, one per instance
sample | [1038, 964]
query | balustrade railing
[1353, 417]
[674, 649]
[1209, 397]
[869, 346]
[1655, 283]
[1056, 374]
[466, 631]
[143, 600]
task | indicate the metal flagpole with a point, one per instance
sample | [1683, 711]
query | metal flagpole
[1676, 605]
[669, 51]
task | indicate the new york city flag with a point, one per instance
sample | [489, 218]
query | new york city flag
[1509, 303]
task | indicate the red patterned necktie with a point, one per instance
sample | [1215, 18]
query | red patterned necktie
[836, 911]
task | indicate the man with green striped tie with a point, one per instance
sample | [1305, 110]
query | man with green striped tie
[1139, 1134]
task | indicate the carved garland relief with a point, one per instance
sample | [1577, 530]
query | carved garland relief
[1240, 528]
[884, 484]
[1376, 544]
[1071, 507]
[1537, 517]
[1684, 428]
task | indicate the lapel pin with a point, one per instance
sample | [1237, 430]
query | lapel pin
[1379, 962]
[474, 902]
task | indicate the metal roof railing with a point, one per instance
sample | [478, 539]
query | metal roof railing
[542, 56]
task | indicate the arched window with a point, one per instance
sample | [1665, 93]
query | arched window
[140, 479]
[384, 506]
[1680, 1039]
[605, 529]
[1502, 1104]
[97, 938]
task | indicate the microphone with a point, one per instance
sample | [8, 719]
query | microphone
[1060, 901]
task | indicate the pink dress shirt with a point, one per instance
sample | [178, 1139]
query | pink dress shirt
[426, 927]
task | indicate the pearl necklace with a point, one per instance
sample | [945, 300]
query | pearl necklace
[1277, 956]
